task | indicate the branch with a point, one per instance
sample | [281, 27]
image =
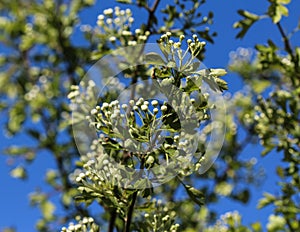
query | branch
[289, 50]
[130, 212]
[286, 41]
[112, 220]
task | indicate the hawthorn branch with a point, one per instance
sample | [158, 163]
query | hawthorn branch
[288, 48]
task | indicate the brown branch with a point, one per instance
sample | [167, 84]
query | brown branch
[112, 220]
[286, 41]
[288, 48]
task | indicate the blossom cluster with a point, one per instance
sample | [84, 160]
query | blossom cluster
[117, 24]
[83, 224]
[195, 46]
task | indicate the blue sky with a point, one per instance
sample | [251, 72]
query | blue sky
[14, 193]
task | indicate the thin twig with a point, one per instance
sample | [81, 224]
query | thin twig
[289, 50]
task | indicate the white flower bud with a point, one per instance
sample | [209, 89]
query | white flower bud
[163, 108]
[94, 111]
[131, 102]
[108, 11]
[137, 31]
[100, 17]
[144, 107]
[154, 103]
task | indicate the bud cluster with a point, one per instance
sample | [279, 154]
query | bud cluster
[83, 224]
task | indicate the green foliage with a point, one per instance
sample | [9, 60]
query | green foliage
[246, 23]
[277, 9]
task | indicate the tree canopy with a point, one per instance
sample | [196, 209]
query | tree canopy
[136, 122]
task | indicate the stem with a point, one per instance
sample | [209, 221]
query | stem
[134, 81]
[134, 197]
[289, 50]
[286, 41]
[112, 221]
[130, 212]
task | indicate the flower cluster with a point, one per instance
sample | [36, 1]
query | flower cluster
[161, 217]
[117, 24]
[194, 46]
[83, 224]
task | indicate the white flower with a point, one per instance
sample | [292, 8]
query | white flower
[177, 45]
[117, 9]
[132, 43]
[137, 31]
[117, 20]
[131, 102]
[108, 11]
[109, 21]
[85, 220]
[82, 175]
[144, 107]
[105, 105]
[154, 102]
[128, 11]
[142, 37]
[163, 108]
[131, 20]
[126, 33]
[112, 39]
[94, 111]
[100, 17]
[155, 110]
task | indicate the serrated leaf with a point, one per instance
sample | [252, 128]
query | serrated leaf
[154, 59]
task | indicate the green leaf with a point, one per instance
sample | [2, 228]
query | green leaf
[277, 9]
[268, 199]
[47, 209]
[190, 86]
[256, 227]
[154, 59]
[246, 23]
[195, 194]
